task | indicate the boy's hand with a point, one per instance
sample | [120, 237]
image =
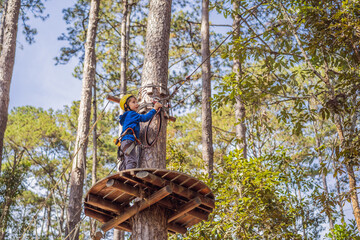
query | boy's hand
[157, 106]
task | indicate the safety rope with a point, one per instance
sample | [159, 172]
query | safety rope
[150, 144]
[63, 173]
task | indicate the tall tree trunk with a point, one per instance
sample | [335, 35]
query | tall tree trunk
[118, 234]
[338, 189]
[7, 59]
[94, 165]
[2, 27]
[123, 53]
[206, 118]
[351, 174]
[79, 161]
[152, 223]
[323, 176]
[303, 222]
[240, 111]
[48, 225]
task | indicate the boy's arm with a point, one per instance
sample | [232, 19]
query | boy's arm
[148, 116]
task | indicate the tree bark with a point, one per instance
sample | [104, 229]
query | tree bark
[338, 189]
[206, 117]
[123, 53]
[118, 234]
[155, 73]
[7, 59]
[79, 161]
[240, 110]
[2, 29]
[94, 165]
[351, 175]
[323, 176]
[152, 223]
[303, 221]
[353, 194]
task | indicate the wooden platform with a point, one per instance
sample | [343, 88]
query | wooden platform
[116, 198]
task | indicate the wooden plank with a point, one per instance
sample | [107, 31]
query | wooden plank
[187, 207]
[134, 191]
[137, 207]
[180, 190]
[103, 203]
[113, 98]
[104, 218]
[176, 228]
[116, 184]
[131, 179]
[198, 214]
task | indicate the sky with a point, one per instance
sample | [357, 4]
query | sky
[36, 80]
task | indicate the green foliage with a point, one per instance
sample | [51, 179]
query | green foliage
[344, 231]
[250, 202]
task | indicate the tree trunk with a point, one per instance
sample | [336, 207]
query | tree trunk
[48, 225]
[79, 161]
[152, 223]
[206, 118]
[7, 58]
[240, 111]
[338, 189]
[303, 222]
[323, 176]
[353, 194]
[350, 169]
[118, 234]
[94, 165]
[123, 53]
[2, 29]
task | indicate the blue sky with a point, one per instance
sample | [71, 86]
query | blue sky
[36, 80]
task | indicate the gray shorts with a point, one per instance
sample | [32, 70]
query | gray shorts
[130, 160]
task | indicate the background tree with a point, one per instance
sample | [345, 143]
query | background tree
[207, 143]
[79, 160]
[7, 58]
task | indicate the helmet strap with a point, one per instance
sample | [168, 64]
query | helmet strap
[126, 105]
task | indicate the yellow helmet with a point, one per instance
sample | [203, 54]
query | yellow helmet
[124, 100]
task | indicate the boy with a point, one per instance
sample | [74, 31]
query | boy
[130, 122]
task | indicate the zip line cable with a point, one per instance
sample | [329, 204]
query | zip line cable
[188, 78]
[63, 172]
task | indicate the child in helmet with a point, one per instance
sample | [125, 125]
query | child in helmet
[130, 122]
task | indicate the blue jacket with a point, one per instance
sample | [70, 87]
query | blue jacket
[132, 119]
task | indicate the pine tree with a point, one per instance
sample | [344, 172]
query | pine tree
[7, 59]
[207, 142]
[79, 161]
[152, 223]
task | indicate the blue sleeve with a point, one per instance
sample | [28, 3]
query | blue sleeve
[148, 116]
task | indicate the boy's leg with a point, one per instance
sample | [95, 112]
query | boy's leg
[131, 158]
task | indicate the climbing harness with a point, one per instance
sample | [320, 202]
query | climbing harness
[137, 143]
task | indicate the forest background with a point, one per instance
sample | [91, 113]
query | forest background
[299, 80]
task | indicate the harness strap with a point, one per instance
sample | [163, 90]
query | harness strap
[133, 133]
